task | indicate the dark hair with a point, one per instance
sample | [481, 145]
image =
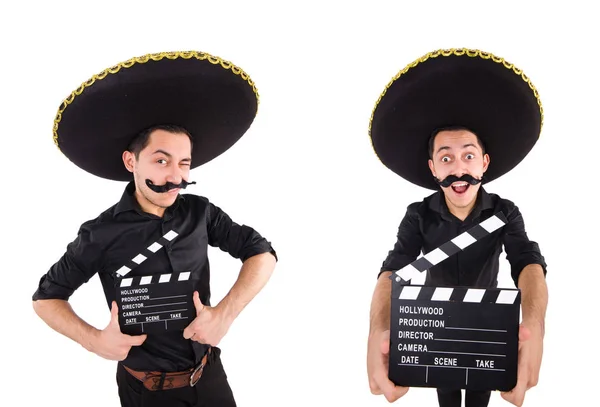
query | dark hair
[140, 141]
[452, 128]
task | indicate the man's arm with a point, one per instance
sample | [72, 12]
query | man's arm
[528, 269]
[406, 250]
[521, 252]
[51, 301]
[534, 296]
[240, 241]
[108, 343]
[254, 274]
[258, 258]
[59, 315]
[381, 304]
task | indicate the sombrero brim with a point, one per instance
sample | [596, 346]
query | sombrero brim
[213, 99]
[456, 87]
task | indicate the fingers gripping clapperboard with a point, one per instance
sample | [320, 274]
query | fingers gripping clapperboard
[453, 337]
[155, 303]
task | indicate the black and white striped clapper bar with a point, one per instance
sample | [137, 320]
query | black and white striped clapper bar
[453, 337]
[156, 303]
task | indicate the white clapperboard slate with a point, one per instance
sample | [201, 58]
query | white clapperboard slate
[453, 337]
[156, 303]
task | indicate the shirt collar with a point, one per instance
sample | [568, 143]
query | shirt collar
[128, 202]
[438, 204]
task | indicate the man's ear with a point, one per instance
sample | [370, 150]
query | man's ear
[129, 160]
[486, 162]
[430, 162]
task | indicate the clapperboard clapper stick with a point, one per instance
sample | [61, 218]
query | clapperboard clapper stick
[453, 337]
[154, 304]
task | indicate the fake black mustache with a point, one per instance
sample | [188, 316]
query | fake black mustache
[453, 178]
[168, 186]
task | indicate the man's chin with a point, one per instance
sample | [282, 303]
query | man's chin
[164, 200]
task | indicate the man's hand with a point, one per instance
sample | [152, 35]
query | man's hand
[209, 326]
[377, 368]
[111, 343]
[530, 361]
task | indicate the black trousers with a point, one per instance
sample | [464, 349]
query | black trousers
[211, 390]
[453, 398]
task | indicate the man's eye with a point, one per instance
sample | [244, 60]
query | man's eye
[445, 159]
[161, 161]
[470, 156]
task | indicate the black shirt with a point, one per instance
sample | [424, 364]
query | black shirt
[429, 224]
[108, 242]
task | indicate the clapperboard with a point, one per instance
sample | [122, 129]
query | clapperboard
[156, 303]
[453, 337]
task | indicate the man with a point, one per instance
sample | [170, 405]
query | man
[470, 118]
[149, 123]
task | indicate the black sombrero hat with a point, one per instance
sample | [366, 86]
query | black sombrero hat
[213, 99]
[455, 87]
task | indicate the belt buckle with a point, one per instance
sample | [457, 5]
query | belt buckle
[199, 368]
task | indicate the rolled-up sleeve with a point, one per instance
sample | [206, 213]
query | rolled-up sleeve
[240, 241]
[75, 267]
[408, 244]
[520, 250]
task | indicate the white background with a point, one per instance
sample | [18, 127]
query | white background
[304, 176]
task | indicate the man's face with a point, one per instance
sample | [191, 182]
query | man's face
[457, 152]
[166, 158]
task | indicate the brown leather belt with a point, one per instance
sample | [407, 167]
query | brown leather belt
[172, 380]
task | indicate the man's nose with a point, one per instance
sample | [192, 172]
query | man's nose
[174, 175]
[460, 169]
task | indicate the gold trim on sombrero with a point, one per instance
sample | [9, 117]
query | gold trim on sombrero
[460, 52]
[141, 60]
